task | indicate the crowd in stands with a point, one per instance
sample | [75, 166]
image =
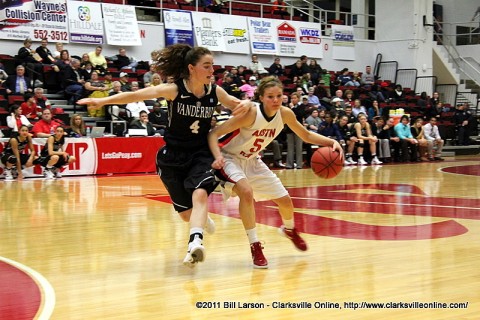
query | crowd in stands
[351, 107]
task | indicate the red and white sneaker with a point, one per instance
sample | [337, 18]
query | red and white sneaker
[259, 260]
[293, 235]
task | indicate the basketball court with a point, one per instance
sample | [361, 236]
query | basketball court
[386, 242]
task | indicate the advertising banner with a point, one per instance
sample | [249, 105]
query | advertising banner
[262, 35]
[235, 34]
[178, 27]
[343, 42]
[121, 27]
[85, 22]
[208, 31]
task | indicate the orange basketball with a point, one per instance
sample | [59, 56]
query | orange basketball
[326, 163]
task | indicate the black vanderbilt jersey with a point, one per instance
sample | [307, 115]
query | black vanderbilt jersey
[189, 118]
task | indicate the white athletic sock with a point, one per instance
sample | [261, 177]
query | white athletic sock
[196, 230]
[252, 235]
[289, 224]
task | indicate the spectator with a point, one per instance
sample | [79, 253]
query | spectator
[313, 122]
[297, 71]
[29, 107]
[434, 140]
[77, 127]
[14, 157]
[348, 98]
[408, 143]
[45, 53]
[368, 79]
[98, 61]
[125, 62]
[31, 60]
[256, 66]
[3, 74]
[18, 84]
[346, 79]
[64, 60]
[398, 94]
[276, 69]
[147, 76]
[84, 60]
[16, 119]
[72, 81]
[124, 82]
[143, 123]
[313, 100]
[229, 86]
[315, 71]
[40, 99]
[434, 100]
[329, 129]
[347, 139]
[45, 127]
[280, 8]
[294, 143]
[86, 71]
[463, 121]
[419, 134]
[58, 50]
[136, 107]
[358, 108]
[250, 87]
[95, 88]
[158, 119]
[374, 111]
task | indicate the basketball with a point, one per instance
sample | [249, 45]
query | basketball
[326, 163]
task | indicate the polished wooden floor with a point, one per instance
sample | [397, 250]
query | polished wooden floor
[112, 247]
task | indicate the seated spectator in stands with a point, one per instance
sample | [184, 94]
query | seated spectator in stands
[329, 129]
[29, 107]
[84, 60]
[347, 80]
[147, 76]
[241, 73]
[95, 88]
[250, 87]
[98, 61]
[229, 86]
[156, 80]
[312, 122]
[235, 78]
[46, 126]
[419, 134]
[363, 132]
[14, 157]
[143, 123]
[216, 6]
[135, 107]
[32, 61]
[72, 81]
[45, 53]
[86, 71]
[19, 83]
[434, 140]
[316, 71]
[323, 94]
[435, 99]
[337, 107]
[158, 119]
[374, 111]
[463, 121]
[408, 143]
[256, 66]
[348, 99]
[398, 94]
[77, 127]
[125, 62]
[40, 99]
[347, 140]
[368, 79]
[382, 132]
[58, 50]
[297, 71]
[3, 74]
[124, 82]
[64, 60]
[280, 8]
[16, 119]
[53, 156]
[313, 99]
[436, 111]
[276, 69]
[358, 108]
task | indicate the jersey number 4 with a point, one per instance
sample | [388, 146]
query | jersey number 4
[194, 127]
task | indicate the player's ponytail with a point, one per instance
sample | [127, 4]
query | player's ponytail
[173, 61]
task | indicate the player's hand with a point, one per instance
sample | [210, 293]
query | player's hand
[218, 163]
[20, 175]
[96, 102]
[242, 108]
[337, 147]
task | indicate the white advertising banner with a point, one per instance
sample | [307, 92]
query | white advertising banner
[85, 22]
[178, 27]
[343, 42]
[121, 25]
[262, 33]
[208, 31]
[235, 34]
[295, 38]
[22, 19]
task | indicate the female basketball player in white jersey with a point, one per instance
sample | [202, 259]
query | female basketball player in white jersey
[246, 175]
[184, 164]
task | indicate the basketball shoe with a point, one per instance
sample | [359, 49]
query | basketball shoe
[8, 174]
[57, 172]
[259, 260]
[49, 175]
[293, 235]
[376, 161]
[195, 253]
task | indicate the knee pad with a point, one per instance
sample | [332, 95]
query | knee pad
[361, 145]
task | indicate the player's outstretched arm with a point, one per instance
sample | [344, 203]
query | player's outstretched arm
[239, 107]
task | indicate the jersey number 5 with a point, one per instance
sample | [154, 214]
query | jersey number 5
[257, 145]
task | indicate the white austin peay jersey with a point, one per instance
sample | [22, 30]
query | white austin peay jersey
[246, 143]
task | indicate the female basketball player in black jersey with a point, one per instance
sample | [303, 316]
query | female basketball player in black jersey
[184, 163]
[13, 157]
[53, 157]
